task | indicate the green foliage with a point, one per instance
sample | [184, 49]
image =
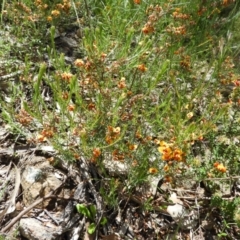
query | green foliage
[90, 213]
[228, 208]
[84, 210]
[237, 216]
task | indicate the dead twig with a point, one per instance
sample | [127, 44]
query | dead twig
[98, 198]
[50, 215]
[225, 178]
[38, 201]
[12, 201]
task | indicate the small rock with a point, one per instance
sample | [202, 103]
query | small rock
[175, 211]
[123, 229]
[184, 218]
[38, 180]
[32, 229]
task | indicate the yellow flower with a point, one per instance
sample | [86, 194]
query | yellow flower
[165, 150]
[220, 167]
[60, 6]
[166, 168]
[178, 155]
[167, 154]
[55, 13]
[152, 170]
[41, 138]
[163, 144]
[116, 130]
[161, 149]
[132, 147]
[45, 6]
[49, 18]
[190, 115]
[79, 63]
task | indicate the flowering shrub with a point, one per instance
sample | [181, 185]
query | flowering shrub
[148, 74]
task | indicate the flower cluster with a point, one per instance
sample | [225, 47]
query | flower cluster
[178, 15]
[122, 83]
[185, 63]
[79, 63]
[47, 132]
[66, 76]
[181, 30]
[64, 6]
[118, 156]
[95, 154]
[23, 7]
[132, 147]
[24, 118]
[41, 5]
[154, 14]
[87, 65]
[181, 23]
[56, 11]
[112, 134]
[65, 95]
[220, 167]
[169, 153]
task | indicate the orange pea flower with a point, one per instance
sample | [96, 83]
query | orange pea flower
[142, 68]
[137, 1]
[79, 63]
[147, 29]
[96, 152]
[220, 167]
[178, 155]
[168, 179]
[71, 107]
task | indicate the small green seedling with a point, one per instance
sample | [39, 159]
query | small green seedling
[90, 213]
